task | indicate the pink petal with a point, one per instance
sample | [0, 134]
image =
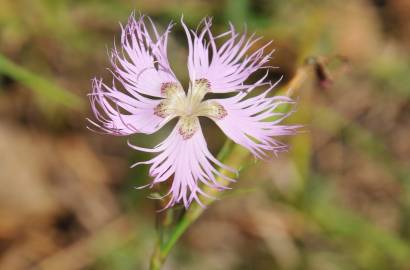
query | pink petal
[140, 70]
[227, 67]
[119, 114]
[142, 62]
[247, 124]
[189, 162]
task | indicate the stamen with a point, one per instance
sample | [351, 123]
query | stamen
[173, 95]
[201, 87]
[161, 109]
[188, 125]
[176, 103]
[169, 89]
[213, 109]
[203, 82]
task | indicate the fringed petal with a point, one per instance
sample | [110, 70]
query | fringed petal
[189, 163]
[142, 71]
[254, 122]
[227, 67]
[119, 114]
[142, 62]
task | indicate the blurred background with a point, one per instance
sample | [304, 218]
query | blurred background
[339, 199]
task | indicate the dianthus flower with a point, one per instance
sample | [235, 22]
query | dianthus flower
[150, 96]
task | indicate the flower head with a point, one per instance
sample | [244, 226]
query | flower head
[150, 96]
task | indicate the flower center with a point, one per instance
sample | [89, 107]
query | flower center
[188, 106]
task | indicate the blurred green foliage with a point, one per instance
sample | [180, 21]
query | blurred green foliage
[80, 31]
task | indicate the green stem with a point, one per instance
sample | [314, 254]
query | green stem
[156, 260]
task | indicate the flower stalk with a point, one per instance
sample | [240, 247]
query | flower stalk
[232, 155]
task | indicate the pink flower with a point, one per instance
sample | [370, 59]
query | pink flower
[150, 95]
